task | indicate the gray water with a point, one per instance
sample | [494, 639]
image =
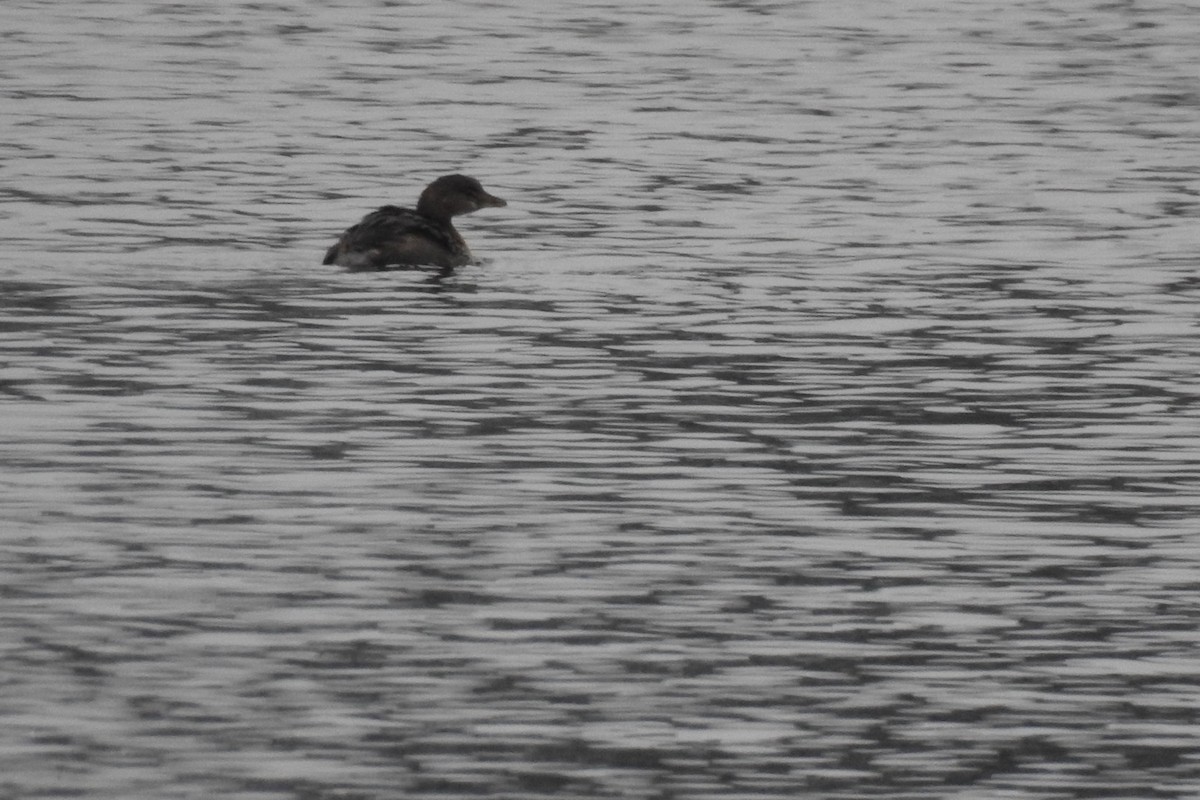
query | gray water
[821, 421]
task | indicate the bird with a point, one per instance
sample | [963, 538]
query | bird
[391, 235]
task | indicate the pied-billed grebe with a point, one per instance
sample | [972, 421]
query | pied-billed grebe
[401, 236]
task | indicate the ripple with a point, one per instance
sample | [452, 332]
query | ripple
[820, 419]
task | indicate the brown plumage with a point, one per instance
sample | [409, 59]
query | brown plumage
[401, 236]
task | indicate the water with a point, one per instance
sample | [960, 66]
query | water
[822, 420]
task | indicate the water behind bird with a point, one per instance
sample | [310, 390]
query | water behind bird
[821, 420]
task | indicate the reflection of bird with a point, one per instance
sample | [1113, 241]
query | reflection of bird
[393, 235]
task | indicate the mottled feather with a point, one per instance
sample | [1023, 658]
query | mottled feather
[402, 236]
[382, 232]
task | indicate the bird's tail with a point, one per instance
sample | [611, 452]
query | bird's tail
[330, 254]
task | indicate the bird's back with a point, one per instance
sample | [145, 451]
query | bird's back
[394, 235]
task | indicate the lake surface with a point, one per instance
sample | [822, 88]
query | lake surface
[822, 420]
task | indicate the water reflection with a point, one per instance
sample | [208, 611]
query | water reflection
[821, 420]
